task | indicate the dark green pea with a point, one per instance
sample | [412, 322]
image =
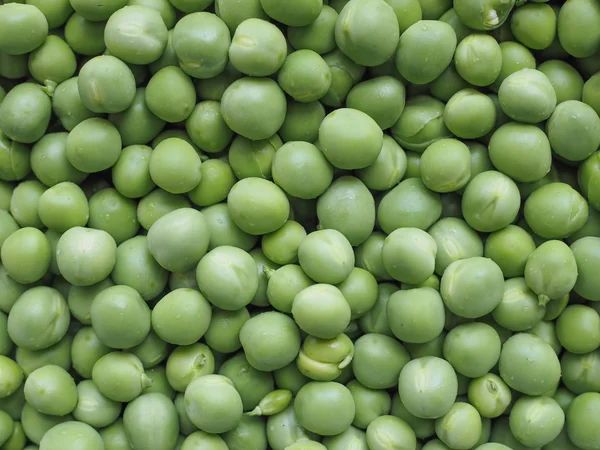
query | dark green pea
[263, 266]
[135, 267]
[368, 256]
[25, 113]
[510, 248]
[58, 354]
[420, 124]
[411, 196]
[345, 73]
[164, 7]
[201, 41]
[186, 363]
[478, 59]
[14, 18]
[577, 19]
[249, 158]
[325, 359]
[224, 329]
[318, 35]
[590, 93]
[170, 94]
[13, 404]
[53, 61]
[483, 14]
[6, 344]
[112, 212]
[86, 349]
[298, 15]
[569, 210]
[425, 50]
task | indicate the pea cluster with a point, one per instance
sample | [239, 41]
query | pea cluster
[300, 225]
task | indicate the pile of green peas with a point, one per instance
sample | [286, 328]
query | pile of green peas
[299, 225]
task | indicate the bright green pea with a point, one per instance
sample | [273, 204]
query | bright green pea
[350, 139]
[446, 165]
[567, 211]
[472, 349]
[64, 206]
[528, 364]
[170, 94]
[478, 59]
[25, 112]
[321, 310]
[421, 123]
[256, 94]
[272, 403]
[26, 255]
[469, 114]
[510, 248]
[201, 41]
[258, 48]
[326, 256]
[281, 246]
[472, 287]
[425, 50]
[416, 315]
[521, 151]
[53, 61]
[573, 131]
[409, 204]
[409, 241]
[491, 201]
[175, 166]
[318, 36]
[367, 31]
[305, 76]
[93, 145]
[490, 395]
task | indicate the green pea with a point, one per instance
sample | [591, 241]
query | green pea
[15, 18]
[378, 360]
[507, 151]
[26, 255]
[137, 124]
[536, 421]
[416, 315]
[472, 287]
[256, 94]
[175, 166]
[25, 112]
[302, 121]
[425, 50]
[483, 14]
[51, 390]
[423, 428]
[565, 79]
[432, 396]
[272, 403]
[94, 408]
[515, 56]
[473, 349]
[253, 158]
[409, 205]
[572, 131]
[83, 144]
[258, 48]
[12, 377]
[568, 207]
[84, 36]
[251, 431]
[478, 59]
[490, 395]
[539, 17]
[350, 139]
[299, 15]
[216, 181]
[49, 161]
[264, 350]
[301, 83]
[580, 372]
[318, 36]
[85, 256]
[131, 173]
[321, 310]
[367, 31]
[510, 248]
[491, 201]
[36, 425]
[63, 206]
[170, 94]
[86, 349]
[528, 364]
[152, 351]
[589, 93]
[223, 231]
[13, 66]
[187, 363]
[326, 256]
[52, 61]
[470, 114]
[68, 106]
[281, 246]
[325, 359]
[448, 84]
[388, 169]
[352, 437]
[446, 165]
[58, 354]
[120, 376]
[206, 127]
[345, 73]
[577, 329]
[421, 123]
[576, 19]
[115, 437]
[71, 434]
[455, 240]
[531, 105]
[461, 426]
[284, 284]
[224, 329]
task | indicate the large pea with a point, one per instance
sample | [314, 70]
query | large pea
[578, 30]
[157, 430]
[24, 28]
[425, 50]
[25, 112]
[367, 31]
[527, 96]
[574, 130]
[349, 207]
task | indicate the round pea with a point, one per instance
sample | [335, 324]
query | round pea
[70, 435]
[469, 114]
[416, 315]
[26, 255]
[52, 61]
[93, 145]
[446, 165]
[576, 28]
[25, 112]
[490, 395]
[573, 130]
[14, 19]
[461, 426]
[170, 94]
[321, 310]
[536, 421]
[473, 349]
[378, 360]
[425, 50]
[326, 256]
[478, 59]
[51, 390]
